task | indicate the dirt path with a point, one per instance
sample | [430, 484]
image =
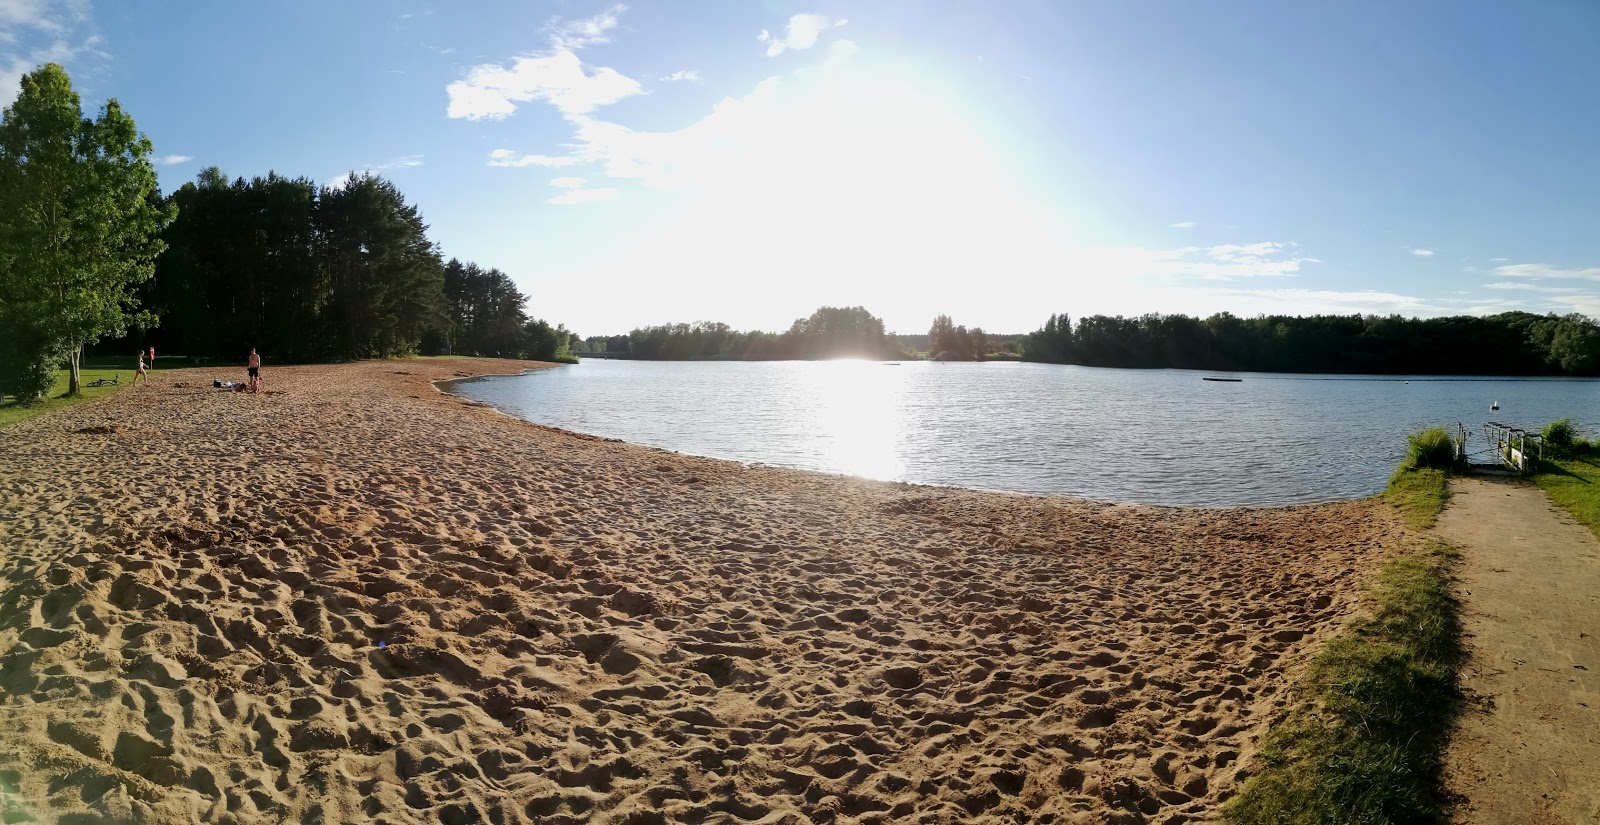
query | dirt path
[1528, 748]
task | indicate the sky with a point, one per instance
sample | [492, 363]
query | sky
[994, 160]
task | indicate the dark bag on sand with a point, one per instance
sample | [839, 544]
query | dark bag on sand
[216, 382]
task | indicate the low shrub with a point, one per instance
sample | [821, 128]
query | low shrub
[1560, 434]
[1431, 448]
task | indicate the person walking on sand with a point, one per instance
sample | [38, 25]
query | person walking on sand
[140, 373]
[254, 367]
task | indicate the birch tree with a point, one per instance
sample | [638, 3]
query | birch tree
[80, 218]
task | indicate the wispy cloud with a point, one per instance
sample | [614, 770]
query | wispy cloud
[1546, 271]
[173, 160]
[35, 32]
[801, 32]
[556, 76]
[1423, 253]
[575, 196]
[683, 76]
[588, 31]
[403, 162]
[568, 183]
[1498, 260]
[1183, 225]
[508, 157]
[1526, 287]
[1225, 262]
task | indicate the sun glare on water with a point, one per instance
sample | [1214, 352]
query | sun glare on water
[857, 410]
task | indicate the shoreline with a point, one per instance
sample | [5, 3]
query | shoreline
[845, 475]
[575, 628]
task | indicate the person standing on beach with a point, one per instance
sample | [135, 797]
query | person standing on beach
[152, 358]
[140, 373]
[254, 367]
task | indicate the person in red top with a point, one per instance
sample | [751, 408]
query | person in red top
[152, 358]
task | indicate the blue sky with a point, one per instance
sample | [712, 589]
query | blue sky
[997, 161]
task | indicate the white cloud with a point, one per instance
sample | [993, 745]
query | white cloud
[1183, 225]
[1532, 287]
[493, 91]
[557, 76]
[801, 32]
[576, 34]
[1498, 260]
[573, 196]
[508, 157]
[568, 183]
[682, 76]
[173, 160]
[36, 32]
[1424, 253]
[1228, 261]
[1546, 271]
[29, 13]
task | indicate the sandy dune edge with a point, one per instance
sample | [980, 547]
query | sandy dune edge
[196, 584]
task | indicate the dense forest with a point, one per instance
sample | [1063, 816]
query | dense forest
[305, 272]
[1510, 343]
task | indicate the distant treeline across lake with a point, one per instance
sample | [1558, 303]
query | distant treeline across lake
[1510, 343]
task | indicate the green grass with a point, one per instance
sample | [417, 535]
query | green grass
[1365, 741]
[11, 412]
[1432, 447]
[1574, 483]
[1419, 495]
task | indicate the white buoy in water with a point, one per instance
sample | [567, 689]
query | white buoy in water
[1495, 405]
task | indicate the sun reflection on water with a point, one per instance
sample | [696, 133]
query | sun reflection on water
[857, 413]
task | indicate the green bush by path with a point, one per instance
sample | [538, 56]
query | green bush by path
[1560, 434]
[1432, 447]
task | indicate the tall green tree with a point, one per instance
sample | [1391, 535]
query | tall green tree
[79, 223]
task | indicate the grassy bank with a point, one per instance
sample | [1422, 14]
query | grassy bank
[1574, 483]
[11, 412]
[1365, 744]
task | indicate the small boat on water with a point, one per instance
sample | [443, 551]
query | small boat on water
[1230, 380]
[1494, 406]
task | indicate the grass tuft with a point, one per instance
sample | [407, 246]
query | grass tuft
[1366, 745]
[1560, 434]
[1430, 448]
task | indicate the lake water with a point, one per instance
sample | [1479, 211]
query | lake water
[1144, 436]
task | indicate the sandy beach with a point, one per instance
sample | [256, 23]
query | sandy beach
[355, 598]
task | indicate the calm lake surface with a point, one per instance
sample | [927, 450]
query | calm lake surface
[1144, 436]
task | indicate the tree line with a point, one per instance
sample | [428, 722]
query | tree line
[1509, 343]
[305, 272]
[829, 332]
[90, 251]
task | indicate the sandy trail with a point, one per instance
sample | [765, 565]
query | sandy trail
[356, 599]
[1528, 748]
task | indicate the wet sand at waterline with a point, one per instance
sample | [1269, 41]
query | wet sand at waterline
[357, 599]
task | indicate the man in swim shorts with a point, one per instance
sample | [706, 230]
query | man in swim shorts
[254, 366]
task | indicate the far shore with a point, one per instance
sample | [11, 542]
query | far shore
[355, 597]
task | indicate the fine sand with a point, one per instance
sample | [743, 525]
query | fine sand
[1528, 748]
[357, 599]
